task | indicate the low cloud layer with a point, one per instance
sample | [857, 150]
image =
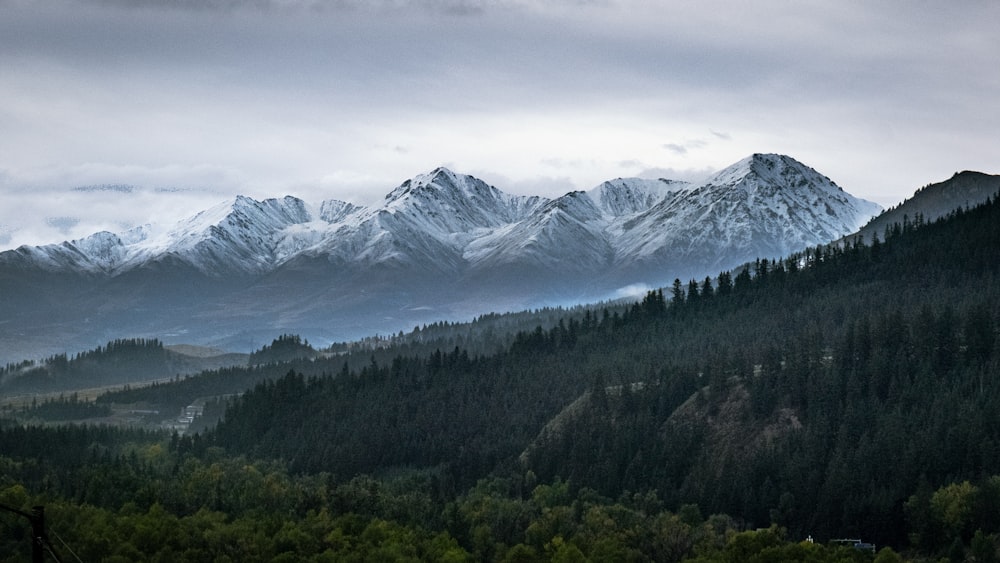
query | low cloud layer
[196, 101]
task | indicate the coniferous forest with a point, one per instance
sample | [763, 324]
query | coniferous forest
[847, 392]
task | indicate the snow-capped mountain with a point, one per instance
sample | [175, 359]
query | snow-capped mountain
[238, 236]
[765, 205]
[426, 222]
[566, 234]
[441, 245]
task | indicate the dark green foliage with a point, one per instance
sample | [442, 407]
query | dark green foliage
[176, 394]
[71, 408]
[285, 348]
[120, 361]
[159, 504]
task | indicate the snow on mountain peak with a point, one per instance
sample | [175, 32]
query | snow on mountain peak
[456, 202]
[334, 210]
[455, 222]
[770, 171]
[623, 196]
[239, 235]
[436, 180]
[765, 204]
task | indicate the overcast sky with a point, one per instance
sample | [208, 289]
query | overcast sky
[160, 108]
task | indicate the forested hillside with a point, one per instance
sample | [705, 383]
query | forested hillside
[820, 392]
[120, 362]
[485, 335]
[125, 496]
[845, 392]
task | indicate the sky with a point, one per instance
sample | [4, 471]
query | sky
[117, 113]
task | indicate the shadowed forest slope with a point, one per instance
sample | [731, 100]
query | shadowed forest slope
[817, 392]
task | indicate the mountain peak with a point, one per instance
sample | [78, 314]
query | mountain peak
[439, 176]
[442, 182]
[763, 205]
[436, 179]
[446, 203]
[771, 172]
[442, 171]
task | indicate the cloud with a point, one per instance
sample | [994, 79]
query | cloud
[6, 234]
[459, 8]
[45, 214]
[693, 175]
[633, 291]
[345, 99]
[562, 162]
[63, 224]
[540, 185]
[683, 148]
[121, 188]
[455, 7]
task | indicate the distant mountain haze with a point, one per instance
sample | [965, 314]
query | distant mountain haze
[441, 246]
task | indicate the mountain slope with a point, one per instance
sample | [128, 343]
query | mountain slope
[565, 235]
[963, 190]
[625, 196]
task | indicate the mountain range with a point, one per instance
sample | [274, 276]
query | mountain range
[439, 246]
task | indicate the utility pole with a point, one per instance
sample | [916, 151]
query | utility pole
[39, 539]
[37, 533]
